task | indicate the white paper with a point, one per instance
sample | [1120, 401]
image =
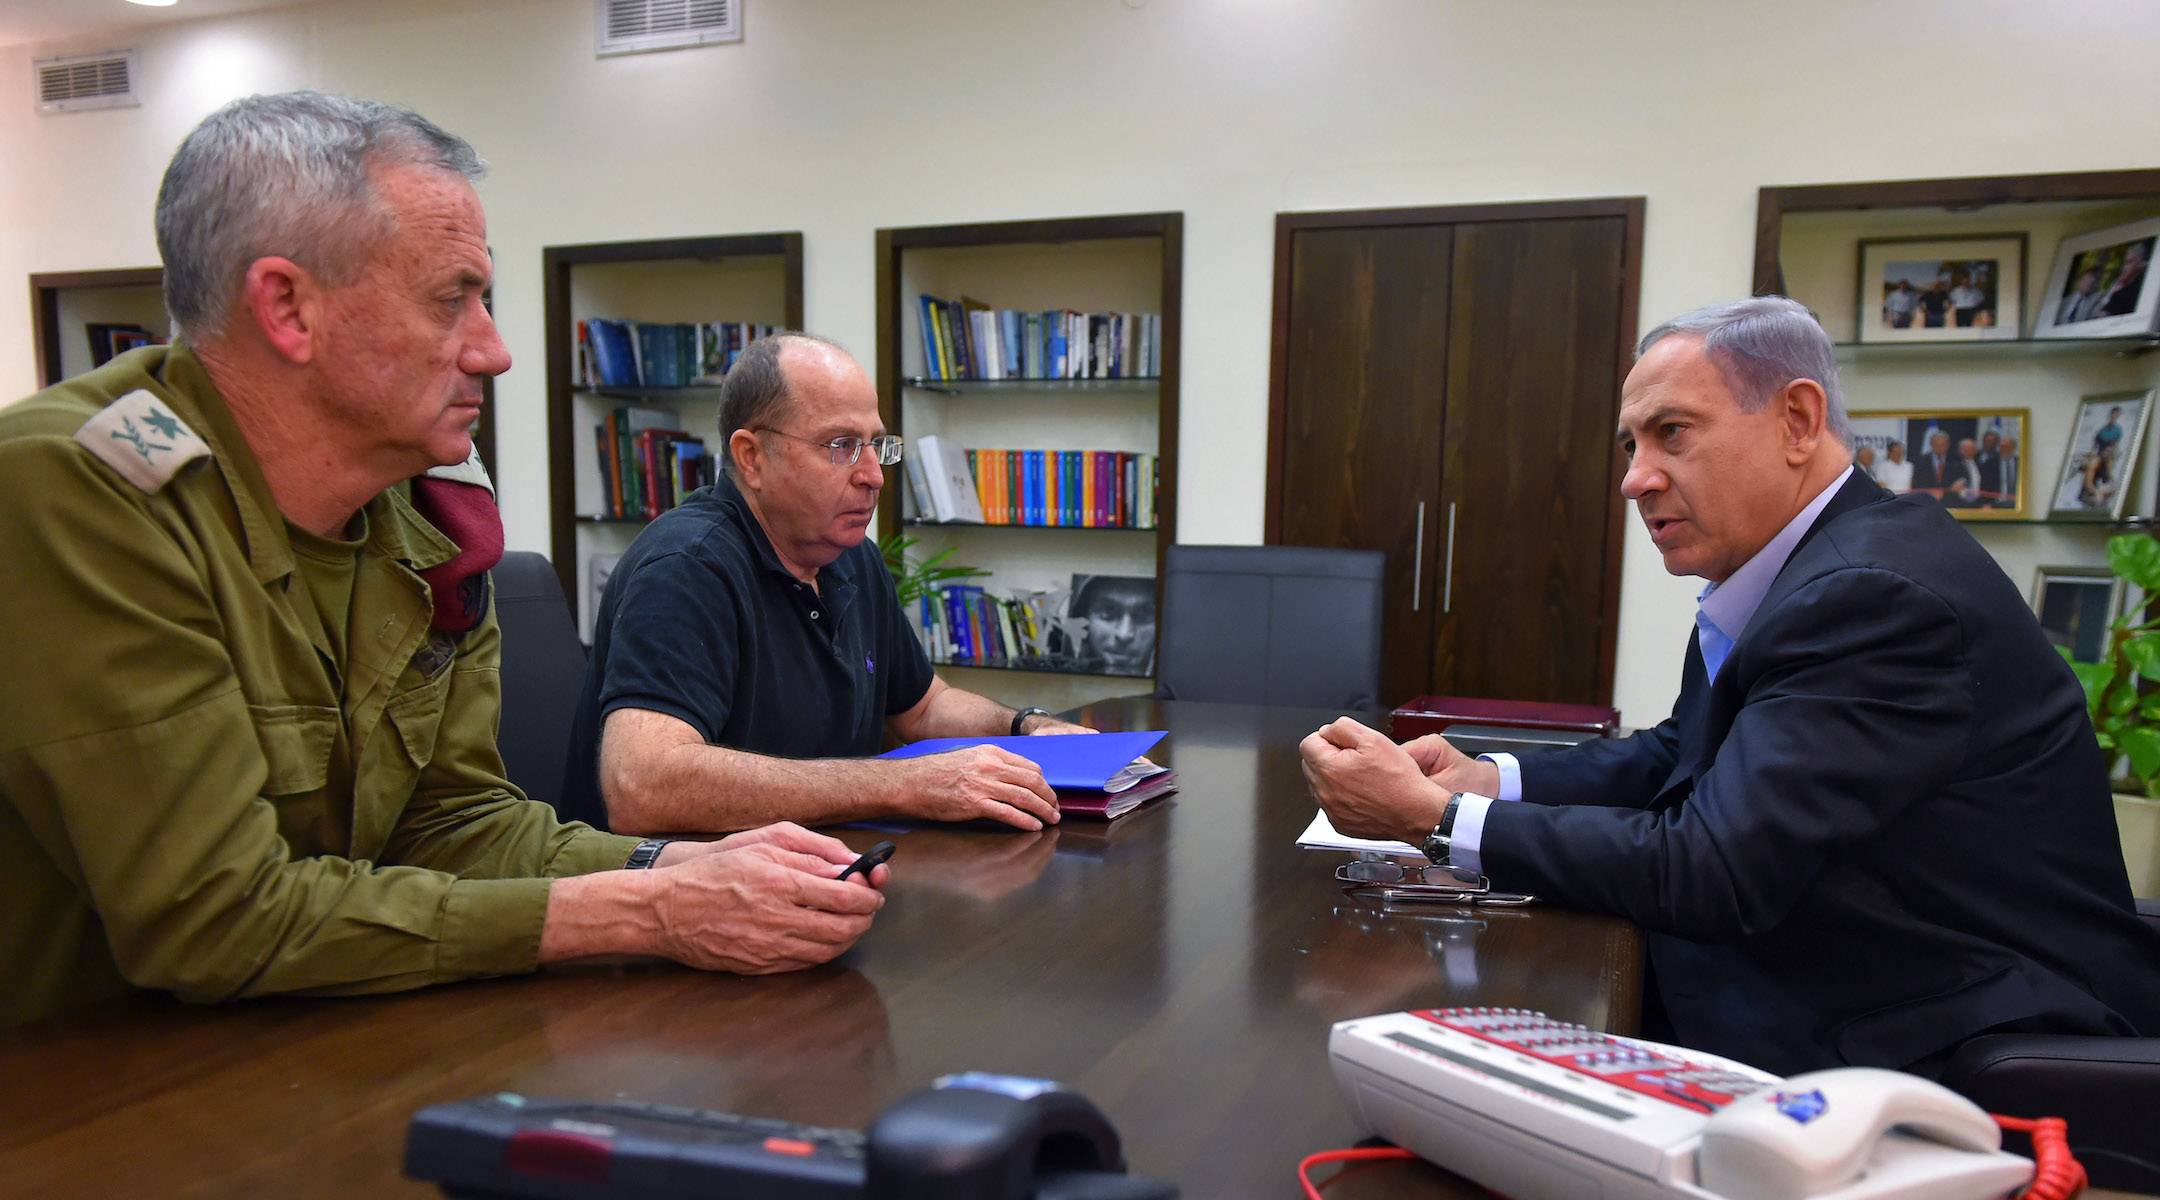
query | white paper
[1320, 835]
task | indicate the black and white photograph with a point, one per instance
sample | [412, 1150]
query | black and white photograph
[1114, 618]
[2100, 284]
[2076, 606]
[1941, 289]
[2102, 457]
[1973, 460]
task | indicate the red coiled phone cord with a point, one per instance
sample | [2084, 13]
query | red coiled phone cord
[2056, 1175]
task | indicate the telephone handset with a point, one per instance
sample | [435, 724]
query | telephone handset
[1530, 1106]
[1816, 1132]
[982, 1136]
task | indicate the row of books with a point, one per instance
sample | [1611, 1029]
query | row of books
[967, 339]
[645, 354]
[968, 626]
[647, 465]
[1098, 489]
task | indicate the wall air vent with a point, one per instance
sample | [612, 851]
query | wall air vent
[82, 81]
[635, 26]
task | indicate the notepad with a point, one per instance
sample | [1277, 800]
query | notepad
[1100, 775]
[1321, 835]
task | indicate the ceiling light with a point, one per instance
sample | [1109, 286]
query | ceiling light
[155, 3]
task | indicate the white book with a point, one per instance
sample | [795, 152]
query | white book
[952, 485]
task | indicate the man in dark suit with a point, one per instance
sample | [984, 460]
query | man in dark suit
[1989, 460]
[1935, 465]
[1877, 822]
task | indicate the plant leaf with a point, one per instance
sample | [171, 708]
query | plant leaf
[2135, 557]
[2143, 654]
[2142, 744]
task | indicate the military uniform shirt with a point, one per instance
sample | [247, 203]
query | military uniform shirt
[202, 792]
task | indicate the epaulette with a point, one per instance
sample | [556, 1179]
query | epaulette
[138, 436]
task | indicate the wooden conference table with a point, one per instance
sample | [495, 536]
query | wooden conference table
[1179, 966]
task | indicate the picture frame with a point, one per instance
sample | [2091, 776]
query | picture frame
[1941, 289]
[2076, 606]
[2088, 294]
[1990, 483]
[2099, 468]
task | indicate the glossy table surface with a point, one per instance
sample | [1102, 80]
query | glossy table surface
[1180, 966]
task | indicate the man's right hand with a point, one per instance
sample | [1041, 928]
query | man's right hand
[757, 907]
[1451, 768]
[979, 781]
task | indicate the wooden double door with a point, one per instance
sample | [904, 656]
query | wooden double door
[1445, 389]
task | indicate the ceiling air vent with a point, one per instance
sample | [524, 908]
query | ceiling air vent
[83, 81]
[635, 26]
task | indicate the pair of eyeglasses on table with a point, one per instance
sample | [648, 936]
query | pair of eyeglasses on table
[1409, 883]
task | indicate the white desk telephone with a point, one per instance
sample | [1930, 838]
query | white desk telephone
[1539, 1109]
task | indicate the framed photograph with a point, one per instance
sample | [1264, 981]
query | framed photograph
[1110, 624]
[2102, 456]
[1973, 460]
[2099, 285]
[2075, 606]
[1941, 289]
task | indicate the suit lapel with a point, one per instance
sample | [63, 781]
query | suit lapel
[1706, 707]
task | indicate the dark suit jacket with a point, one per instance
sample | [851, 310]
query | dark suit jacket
[1884, 828]
[1926, 474]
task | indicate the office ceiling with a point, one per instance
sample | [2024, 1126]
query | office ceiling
[43, 20]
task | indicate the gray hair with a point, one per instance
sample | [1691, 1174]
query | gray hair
[755, 394]
[284, 175]
[1761, 344]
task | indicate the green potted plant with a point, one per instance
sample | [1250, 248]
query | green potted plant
[2126, 714]
[914, 579]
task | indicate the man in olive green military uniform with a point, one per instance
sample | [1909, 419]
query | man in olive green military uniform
[247, 731]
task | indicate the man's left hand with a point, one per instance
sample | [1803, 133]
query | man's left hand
[1369, 786]
[1042, 725]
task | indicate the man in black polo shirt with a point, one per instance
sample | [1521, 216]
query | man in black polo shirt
[750, 650]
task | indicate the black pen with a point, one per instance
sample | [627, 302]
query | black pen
[870, 859]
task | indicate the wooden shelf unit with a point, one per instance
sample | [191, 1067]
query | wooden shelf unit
[1130, 263]
[1805, 247]
[742, 277]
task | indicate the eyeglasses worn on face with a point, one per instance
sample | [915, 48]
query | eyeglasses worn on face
[845, 450]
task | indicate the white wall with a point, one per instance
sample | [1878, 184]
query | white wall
[836, 117]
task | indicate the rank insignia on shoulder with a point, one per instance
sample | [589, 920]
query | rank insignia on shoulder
[139, 436]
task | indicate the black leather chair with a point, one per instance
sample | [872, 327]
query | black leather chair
[543, 668]
[1284, 625]
[2106, 1089]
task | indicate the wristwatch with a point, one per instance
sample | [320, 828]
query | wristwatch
[1020, 718]
[1441, 839]
[647, 853]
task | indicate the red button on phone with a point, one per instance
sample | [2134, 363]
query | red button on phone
[556, 1154]
[790, 1146]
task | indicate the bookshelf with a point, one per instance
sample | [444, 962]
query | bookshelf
[756, 278]
[1807, 247]
[64, 304]
[1122, 264]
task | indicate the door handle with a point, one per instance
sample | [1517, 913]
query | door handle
[1447, 585]
[1417, 570]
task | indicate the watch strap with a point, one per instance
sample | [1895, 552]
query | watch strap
[1439, 844]
[646, 854]
[1020, 718]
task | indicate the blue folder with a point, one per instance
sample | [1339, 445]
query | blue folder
[1075, 760]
